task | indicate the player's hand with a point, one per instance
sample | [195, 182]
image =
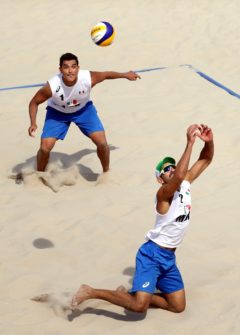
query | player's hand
[206, 133]
[131, 75]
[32, 130]
[193, 131]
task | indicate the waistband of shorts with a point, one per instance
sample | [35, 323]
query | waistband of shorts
[166, 248]
[79, 111]
[162, 247]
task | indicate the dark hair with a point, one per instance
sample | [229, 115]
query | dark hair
[67, 56]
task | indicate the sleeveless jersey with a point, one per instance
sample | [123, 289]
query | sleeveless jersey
[170, 228]
[70, 99]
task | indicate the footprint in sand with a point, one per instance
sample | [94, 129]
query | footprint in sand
[54, 177]
[59, 303]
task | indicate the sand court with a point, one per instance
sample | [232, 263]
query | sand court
[74, 230]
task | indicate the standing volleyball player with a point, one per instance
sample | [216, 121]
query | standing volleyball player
[68, 95]
[156, 267]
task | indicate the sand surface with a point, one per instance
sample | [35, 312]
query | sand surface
[80, 231]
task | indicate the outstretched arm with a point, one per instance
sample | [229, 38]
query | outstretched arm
[166, 191]
[98, 77]
[42, 95]
[206, 154]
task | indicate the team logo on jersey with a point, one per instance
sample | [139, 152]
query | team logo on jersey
[73, 103]
[187, 209]
[146, 284]
[58, 89]
[186, 215]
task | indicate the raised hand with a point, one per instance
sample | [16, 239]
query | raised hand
[193, 131]
[205, 134]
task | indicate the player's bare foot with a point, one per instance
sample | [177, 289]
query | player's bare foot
[107, 178]
[83, 293]
[102, 178]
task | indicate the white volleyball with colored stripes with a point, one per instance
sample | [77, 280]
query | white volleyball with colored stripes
[103, 34]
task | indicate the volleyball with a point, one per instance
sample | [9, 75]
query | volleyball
[103, 34]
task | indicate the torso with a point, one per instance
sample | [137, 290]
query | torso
[69, 99]
[170, 228]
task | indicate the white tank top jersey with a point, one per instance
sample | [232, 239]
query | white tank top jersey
[170, 228]
[70, 99]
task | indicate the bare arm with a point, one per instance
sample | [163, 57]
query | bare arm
[206, 154]
[98, 77]
[167, 190]
[41, 96]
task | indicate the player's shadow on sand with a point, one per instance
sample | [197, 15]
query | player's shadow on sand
[66, 162]
[129, 316]
[129, 271]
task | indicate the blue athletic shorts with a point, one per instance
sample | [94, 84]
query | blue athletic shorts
[156, 269]
[57, 123]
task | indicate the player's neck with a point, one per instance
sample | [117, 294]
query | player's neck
[69, 83]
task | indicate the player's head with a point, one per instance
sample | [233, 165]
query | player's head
[165, 168]
[69, 68]
[66, 57]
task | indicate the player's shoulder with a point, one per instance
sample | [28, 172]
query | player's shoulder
[85, 77]
[83, 73]
[55, 79]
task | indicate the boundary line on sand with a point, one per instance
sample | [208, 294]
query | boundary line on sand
[190, 67]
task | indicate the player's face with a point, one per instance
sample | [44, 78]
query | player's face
[69, 70]
[168, 172]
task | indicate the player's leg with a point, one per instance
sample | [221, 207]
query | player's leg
[55, 128]
[138, 302]
[90, 124]
[171, 285]
[43, 154]
[174, 302]
[144, 283]
[103, 150]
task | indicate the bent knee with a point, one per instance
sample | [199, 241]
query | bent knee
[102, 146]
[140, 307]
[179, 308]
[45, 149]
[47, 145]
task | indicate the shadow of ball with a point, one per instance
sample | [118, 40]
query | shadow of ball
[42, 243]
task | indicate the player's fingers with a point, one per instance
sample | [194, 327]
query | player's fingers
[193, 128]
